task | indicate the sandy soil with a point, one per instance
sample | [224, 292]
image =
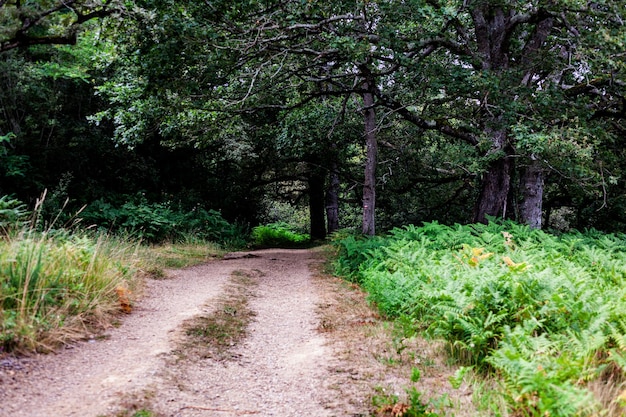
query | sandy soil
[285, 367]
[313, 348]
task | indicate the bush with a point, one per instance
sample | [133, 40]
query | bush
[278, 235]
[158, 222]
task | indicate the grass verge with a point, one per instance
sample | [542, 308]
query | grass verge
[155, 259]
[56, 287]
[386, 370]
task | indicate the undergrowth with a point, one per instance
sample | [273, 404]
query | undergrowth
[58, 284]
[54, 285]
[546, 314]
[278, 235]
[160, 222]
[13, 213]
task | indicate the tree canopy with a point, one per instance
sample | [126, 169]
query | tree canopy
[405, 111]
[48, 22]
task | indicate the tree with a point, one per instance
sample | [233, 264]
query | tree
[262, 69]
[297, 46]
[284, 39]
[496, 67]
[318, 138]
[26, 23]
[502, 78]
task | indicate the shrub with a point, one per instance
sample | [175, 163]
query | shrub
[278, 235]
[157, 222]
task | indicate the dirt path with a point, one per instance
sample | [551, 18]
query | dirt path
[282, 368]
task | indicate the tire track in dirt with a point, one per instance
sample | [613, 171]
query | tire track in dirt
[279, 369]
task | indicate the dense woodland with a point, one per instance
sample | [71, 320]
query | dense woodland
[371, 114]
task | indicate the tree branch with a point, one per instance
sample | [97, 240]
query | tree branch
[24, 41]
[532, 47]
[21, 38]
[438, 125]
[587, 87]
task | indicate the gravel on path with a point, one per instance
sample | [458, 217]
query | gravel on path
[278, 370]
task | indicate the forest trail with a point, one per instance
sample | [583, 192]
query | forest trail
[283, 367]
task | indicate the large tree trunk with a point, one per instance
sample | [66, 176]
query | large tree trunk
[491, 28]
[496, 182]
[493, 198]
[495, 27]
[316, 205]
[371, 147]
[531, 185]
[332, 200]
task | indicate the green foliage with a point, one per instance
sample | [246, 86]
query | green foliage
[415, 374]
[157, 222]
[48, 22]
[353, 252]
[51, 282]
[167, 78]
[276, 211]
[457, 379]
[12, 165]
[143, 413]
[390, 405]
[13, 213]
[417, 407]
[278, 235]
[545, 312]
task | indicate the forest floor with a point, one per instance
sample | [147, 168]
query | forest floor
[258, 333]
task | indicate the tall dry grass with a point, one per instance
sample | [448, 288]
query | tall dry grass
[55, 286]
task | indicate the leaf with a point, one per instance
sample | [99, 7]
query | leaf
[457, 379]
[123, 295]
[415, 374]
[517, 267]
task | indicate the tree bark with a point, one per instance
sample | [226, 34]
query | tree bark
[371, 151]
[493, 198]
[494, 28]
[332, 200]
[492, 35]
[316, 205]
[531, 184]
[496, 182]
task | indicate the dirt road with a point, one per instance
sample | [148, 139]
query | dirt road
[283, 367]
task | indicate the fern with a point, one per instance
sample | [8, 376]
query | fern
[541, 375]
[546, 312]
[13, 213]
